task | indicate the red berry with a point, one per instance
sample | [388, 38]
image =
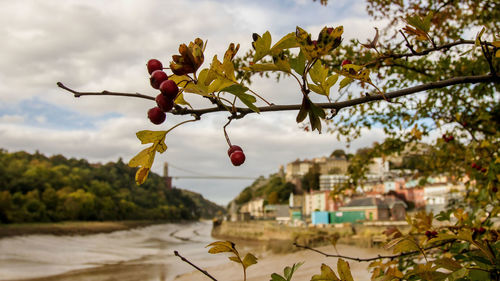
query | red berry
[164, 103]
[237, 158]
[450, 138]
[481, 230]
[473, 165]
[232, 149]
[157, 77]
[169, 89]
[154, 64]
[344, 62]
[156, 115]
[483, 170]
[315, 43]
[329, 30]
[494, 189]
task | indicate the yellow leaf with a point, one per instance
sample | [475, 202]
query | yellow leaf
[141, 175]
[180, 100]
[288, 41]
[221, 247]
[344, 270]
[143, 159]
[147, 136]
[416, 132]
[478, 36]
[327, 274]
[249, 260]
[235, 259]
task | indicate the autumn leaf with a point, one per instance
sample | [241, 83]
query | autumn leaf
[145, 158]
[249, 260]
[344, 270]
[221, 247]
[327, 274]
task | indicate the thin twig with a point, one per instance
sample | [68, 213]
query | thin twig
[104, 93]
[225, 132]
[373, 258]
[193, 265]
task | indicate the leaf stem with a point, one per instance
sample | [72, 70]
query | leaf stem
[193, 265]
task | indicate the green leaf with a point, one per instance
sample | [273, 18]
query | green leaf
[249, 260]
[331, 80]
[262, 46]
[344, 270]
[448, 263]
[288, 41]
[458, 274]
[442, 237]
[289, 271]
[316, 89]
[277, 277]
[318, 73]
[235, 259]
[327, 274]
[427, 21]
[346, 81]
[304, 109]
[298, 64]
[239, 91]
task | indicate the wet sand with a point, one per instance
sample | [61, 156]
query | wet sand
[274, 263]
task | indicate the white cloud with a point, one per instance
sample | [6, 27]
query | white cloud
[12, 119]
[95, 45]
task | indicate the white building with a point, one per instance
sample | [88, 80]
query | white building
[438, 196]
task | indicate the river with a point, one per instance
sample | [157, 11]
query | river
[138, 254]
[144, 254]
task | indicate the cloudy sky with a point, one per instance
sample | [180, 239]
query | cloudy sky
[92, 45]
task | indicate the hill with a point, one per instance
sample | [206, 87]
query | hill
[37, 188]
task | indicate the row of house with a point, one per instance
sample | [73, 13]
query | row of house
[385, 195]
[374, 203]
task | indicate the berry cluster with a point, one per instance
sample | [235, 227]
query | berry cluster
[236, 155]
[168, 91]
[431, 234]
[478, 167]
[448, 138]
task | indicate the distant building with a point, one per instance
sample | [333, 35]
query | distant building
[281, 213]
[377, 207]
[319, 200]
[328, 182]
[438, 195]
[378, 167]
[255, 208]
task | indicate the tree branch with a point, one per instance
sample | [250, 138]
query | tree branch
[337, 105]
[104, 93]
[193, 265]
[374, 258]
[414, 53]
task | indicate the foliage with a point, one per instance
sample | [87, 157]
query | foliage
[378, 89]
[274, 187]
[229, 247]
[39, 188]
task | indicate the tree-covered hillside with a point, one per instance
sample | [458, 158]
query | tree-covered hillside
[34, 187]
